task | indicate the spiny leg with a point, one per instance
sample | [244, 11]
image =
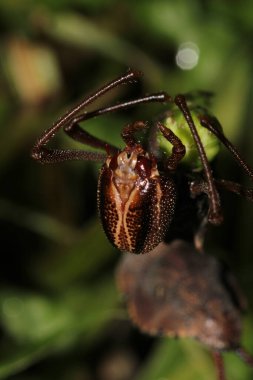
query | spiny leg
[215, 214]
[213, 126]
[219, 365]
[178, 150]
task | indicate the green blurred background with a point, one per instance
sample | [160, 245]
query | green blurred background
[61, 315]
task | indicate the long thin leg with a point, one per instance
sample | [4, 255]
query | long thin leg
[245, 356]
[215, 214]
[198, 187]
[219, 365]
[70, 123]
[159, 97]
[78, 134]
[178, 150]
[235, 188]
[212, 126]
[44, 155]
[52, 156]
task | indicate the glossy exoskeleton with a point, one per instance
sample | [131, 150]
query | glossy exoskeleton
[137, 191]
[175, 291]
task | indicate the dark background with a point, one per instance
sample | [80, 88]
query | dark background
[61, 315]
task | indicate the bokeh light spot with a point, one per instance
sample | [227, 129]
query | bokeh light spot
[187, 56]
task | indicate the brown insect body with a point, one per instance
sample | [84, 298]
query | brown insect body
[136, 202]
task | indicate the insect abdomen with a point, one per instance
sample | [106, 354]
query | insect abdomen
[138, 224]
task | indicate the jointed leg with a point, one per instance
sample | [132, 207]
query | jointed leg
[70, 124]
[245, 356]
[51, 156]
[235, 188]
[74, 131]
[197, 187]
[178, 150]
[219, 365]
[77, 133]
[215, 214]
[213, 126]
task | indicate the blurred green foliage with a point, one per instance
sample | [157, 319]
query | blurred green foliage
[59, 308]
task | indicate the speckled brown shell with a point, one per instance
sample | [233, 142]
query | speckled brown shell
[176, 291]
[145, 220]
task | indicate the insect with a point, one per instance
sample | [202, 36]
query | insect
[175, 291]
[137, 191]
